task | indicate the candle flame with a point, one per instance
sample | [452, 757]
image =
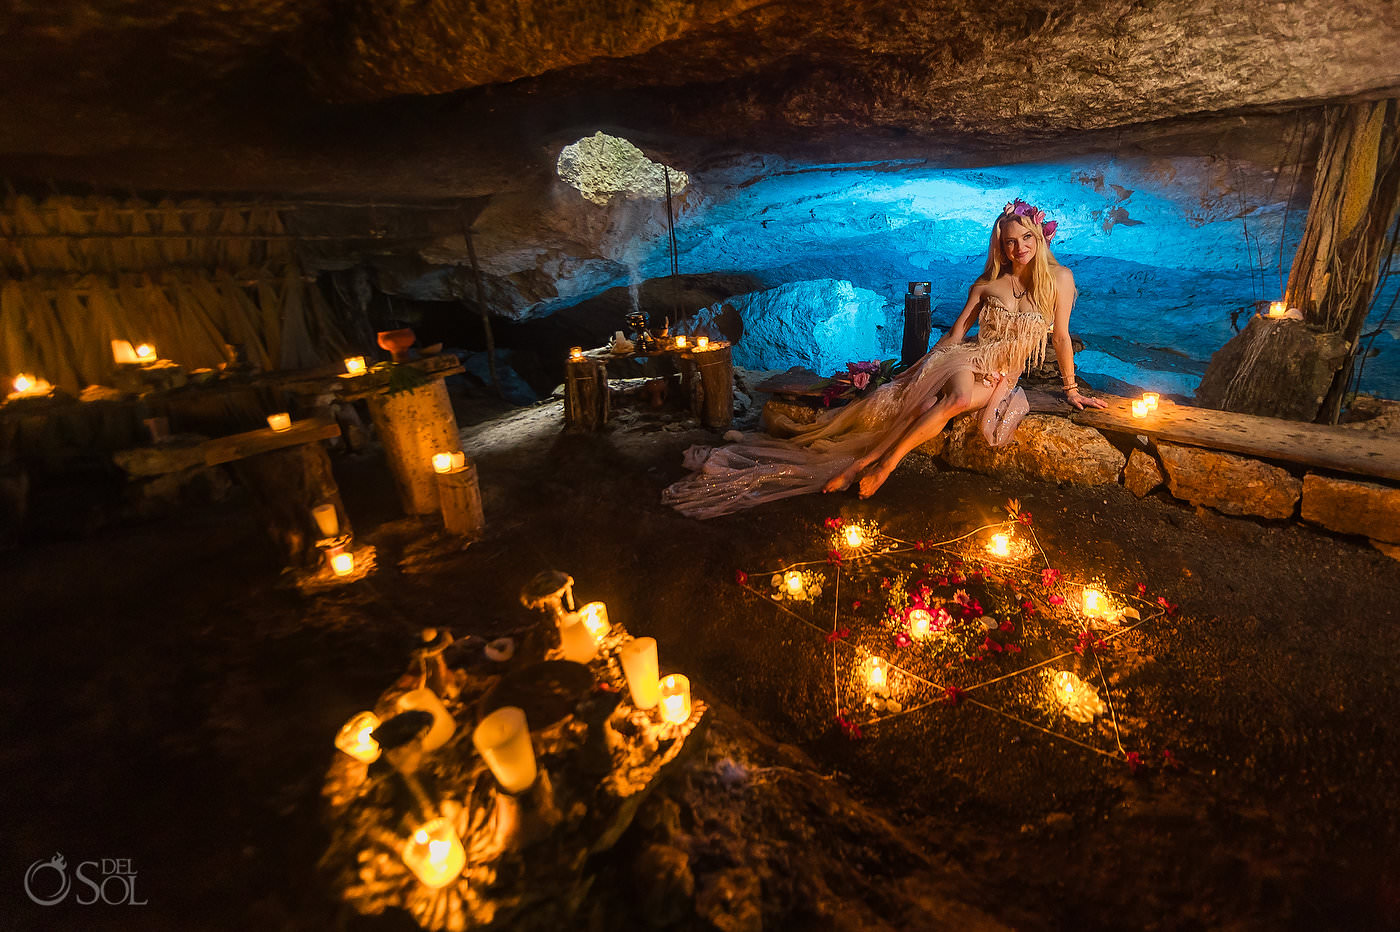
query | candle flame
[145, 351]
[575, 352]
[23, 383]
[594, 616]
[438, 851]
[421, 837]
[355, 365]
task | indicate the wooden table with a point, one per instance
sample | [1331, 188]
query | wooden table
[707, 380]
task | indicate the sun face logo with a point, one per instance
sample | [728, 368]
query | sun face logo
[41, 889]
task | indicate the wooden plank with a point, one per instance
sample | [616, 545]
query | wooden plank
[1349, 450]
[353, 388]
[252, 442]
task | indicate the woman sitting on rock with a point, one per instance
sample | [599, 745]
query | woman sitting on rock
[1023, 296]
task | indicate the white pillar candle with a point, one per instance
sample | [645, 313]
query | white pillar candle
[639, 663]
[503, 740]
[1151, 399]
[595, 618]
[355, 737]
[327, 521]
[426, 700]
[343, 563]
[434, 853]
[674, 691]
[281, 421]
[354, 365]
[575, 640]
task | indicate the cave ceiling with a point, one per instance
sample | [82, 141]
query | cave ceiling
[444, 98]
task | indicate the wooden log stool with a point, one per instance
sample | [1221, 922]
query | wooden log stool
[585, 393]
[413, 425]
[460, 495]
[708, 378]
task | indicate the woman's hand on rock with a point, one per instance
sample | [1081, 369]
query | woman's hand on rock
[1080, 401]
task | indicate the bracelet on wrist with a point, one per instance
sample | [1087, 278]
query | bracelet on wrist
[1073, 387]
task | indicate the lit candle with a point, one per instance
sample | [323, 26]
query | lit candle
[854, 538]
[793, 581]
[875, 677]
[575, 353]
[281, 421]
[145, 352]
[23, 383]
[702, 343]
[425, 700]
[680, 341]
[675, 699]
[1000, 545]
[122, 352]
[503, 740]
[31, 385]
[638, 658]
[1093, 603]
[435, 853]
[920, 623]
[1151, 399]
[595, 618]
[576, 640]
[327, 521]
[354, 365]
[442, 462]
[1277, 309]
[1139, 409]
[343, 564]
[355, 738]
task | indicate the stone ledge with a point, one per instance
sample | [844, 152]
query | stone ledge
[1234, 485]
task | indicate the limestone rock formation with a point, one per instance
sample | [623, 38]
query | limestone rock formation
[1352, 507]
[1046, 447]
[1142, 474]
[1274, 368]
[1232, 484]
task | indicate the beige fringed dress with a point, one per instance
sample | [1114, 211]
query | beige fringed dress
[761, 468]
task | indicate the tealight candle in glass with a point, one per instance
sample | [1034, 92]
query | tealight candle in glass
[702, 343]
[145, 352]
[343, 563]
[920, 623]
[875, 676]
[639, 663]
[434, 853]
[1277, 309]
[854, 538]
[1151, 399]
[425, 700]
[674, 690]
[1139, 409]
[793, 581]
[503, 741]
[595, 618]
[575, 353]
[356, 737]
[680, 341]
[1094, 604]
[280, 422]
[354, 365]
[1000, 545]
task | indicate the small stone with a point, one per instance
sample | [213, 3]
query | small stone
[988, 623]
[733, 436]
[894, 707]
[500, 650]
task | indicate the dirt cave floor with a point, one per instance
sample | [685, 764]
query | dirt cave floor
[167, 703]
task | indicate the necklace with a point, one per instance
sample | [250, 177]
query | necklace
[1018, 295]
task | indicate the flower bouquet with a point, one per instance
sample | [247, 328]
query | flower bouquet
[859, 378]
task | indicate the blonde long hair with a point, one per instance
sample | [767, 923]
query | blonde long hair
[1043, 291]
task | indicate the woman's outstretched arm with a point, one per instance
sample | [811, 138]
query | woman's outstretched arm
[1064, 347]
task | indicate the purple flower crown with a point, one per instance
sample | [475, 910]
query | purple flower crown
[1019, 208]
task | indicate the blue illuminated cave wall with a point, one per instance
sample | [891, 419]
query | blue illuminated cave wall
[1167, 252]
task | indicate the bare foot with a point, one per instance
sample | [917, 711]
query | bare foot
[843, 479]
[871, 481]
